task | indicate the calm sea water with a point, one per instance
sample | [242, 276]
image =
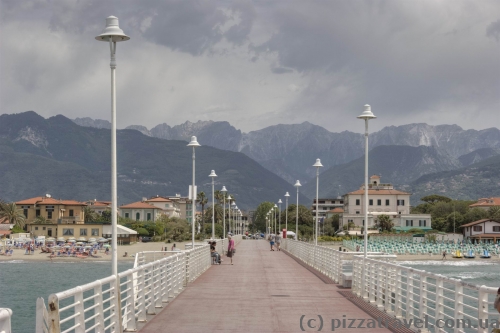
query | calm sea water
[477, 272]
[21, 283]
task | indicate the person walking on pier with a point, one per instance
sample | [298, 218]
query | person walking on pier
[277, 239]
[230, 249]
[444, 255]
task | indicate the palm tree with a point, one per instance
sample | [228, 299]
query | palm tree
[202, 200]
[219, 196]
[385, 222]
[11, 213]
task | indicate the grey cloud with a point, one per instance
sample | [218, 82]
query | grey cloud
[493, 30]
[281, 70]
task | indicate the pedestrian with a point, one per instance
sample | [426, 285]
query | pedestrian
[271, 241]
[230, 248]
[277, 239]
[444, 255]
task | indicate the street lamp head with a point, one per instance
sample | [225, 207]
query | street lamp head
[212, 174]
[236, 207]
[229, 197]
[233, 204]
[275, 206]
[297, 184]
[318, 163]
[286, 194]
[194, 142]
[367, 114]
[112, 31]
[279, 201]
[223, 189]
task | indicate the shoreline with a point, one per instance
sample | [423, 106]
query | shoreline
[38, 256]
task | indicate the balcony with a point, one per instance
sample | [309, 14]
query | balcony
[70, 220]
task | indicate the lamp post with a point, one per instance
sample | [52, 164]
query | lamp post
[213, 175]
[194, 143]
[286, 212]
[229, 213]
[224, 212]
[366, 115]
[231, 222]
[297, 185]
[235, 223]
[275, 209]
[317, 165]
[279, 221]
[113, 34]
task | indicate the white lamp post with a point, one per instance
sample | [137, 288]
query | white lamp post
[297, 185]
[279, 221]
[229, 213]
[286, 212]
[235, 224]
[231, 222]
[224, 212]
[113, 34]
[366, 115]
[274, 213]
[194, 143]
[317, 165]
[213, 175]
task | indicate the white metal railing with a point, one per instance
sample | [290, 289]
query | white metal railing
[118, 304]
[447, 305]
[440, 303]
[5, 325]
[328, 261]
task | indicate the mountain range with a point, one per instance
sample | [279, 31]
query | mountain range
[57, 156]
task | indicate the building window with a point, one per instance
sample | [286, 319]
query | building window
[422, 223]
[83, 232]
[49, 214]
[496, 229]
[477, 228]
[126, 215]
[371, 202]
[68, 232]
[409, 223]
[357, 202]
[148, 217]
[167, 205]
[43, 228]
[36, 228]
[71, 212]
[37, 212]
[95, 232]
[137, 216]
[25, 212]
[387, 202]
[379, 202]
[401, 202]
[357, 212]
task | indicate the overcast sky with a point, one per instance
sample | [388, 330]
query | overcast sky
[256, 63]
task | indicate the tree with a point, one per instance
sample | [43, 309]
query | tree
[202, 200]
[41, 220]
[494, 213]
[12, 214]
[90, 215]
[385, 223]
[433, 198]
[454, 221]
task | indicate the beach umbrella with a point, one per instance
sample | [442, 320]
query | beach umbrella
[107, 245]
[71, 241]
[92, 240]
[82, 239]
[102, 240]
[79, 243]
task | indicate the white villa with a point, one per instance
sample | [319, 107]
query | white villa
[482, 229]
[383, 199]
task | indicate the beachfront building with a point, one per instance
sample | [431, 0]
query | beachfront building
[52, 211]
[325, 205]
[485, 229]
[486, 203]
[85, 230]
[124, 236]
[383, 199]
[140, 211]
[169, 207]
[185, 207]
[98, 206]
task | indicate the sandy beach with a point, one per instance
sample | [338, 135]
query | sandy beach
[130, 249]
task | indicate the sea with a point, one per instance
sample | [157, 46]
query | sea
[22, 282]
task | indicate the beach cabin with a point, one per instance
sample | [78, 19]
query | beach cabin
[484, 229]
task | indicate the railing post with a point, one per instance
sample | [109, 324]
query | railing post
[439, 299]
[398, 290]
[40, 321]
[54, 319]
[381, 285]
[388, 290]
[141, 301]
[409, 294]
[482, 310]
[99, 309]
[459, 305]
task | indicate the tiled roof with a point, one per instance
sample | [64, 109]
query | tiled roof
[375, 176]
[336, 210]
[477, 222]
[378, 192]
[138, 205]
[489, 202]
[159, 199]
[49, 201]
